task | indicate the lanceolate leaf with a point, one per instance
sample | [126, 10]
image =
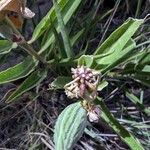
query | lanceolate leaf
[67, 12]
[67, 7]
[118, 46]
[64, 33]
[117, 58]
[6, 46]
[46, 21]
[18, 71]
[32, 81]
[119, 38]
[125, 135]
[139, 70]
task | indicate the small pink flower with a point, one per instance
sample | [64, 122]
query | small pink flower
[86, 80]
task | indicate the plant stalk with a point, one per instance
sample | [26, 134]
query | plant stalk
[24, 45]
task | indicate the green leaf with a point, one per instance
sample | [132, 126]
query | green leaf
[106, 62]
[85, 60]
[139, 68]
[145, 58]
[2, 58]
[102, 85]
[117, 48]
[45, 23]
[70, 126]
[76, 37]
[119, 38]
[146, 68]
[117, 58]
[125, 135]
[60, 82]
[18, 71]
[136, 101]
[67, 13]
[59, 42]
[63, 30]
[6, 46]
[32, 81]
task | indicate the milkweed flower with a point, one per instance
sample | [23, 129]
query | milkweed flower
[84, 84]
[94, 113]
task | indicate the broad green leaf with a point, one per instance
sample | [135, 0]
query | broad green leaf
[108, 61]
[116, 55]
[118, 46]
[125, 135]
[6, 46]
[136, 101]
[32, 81]
[18, 71]
[117, 58]
[60, 82]
[67, 13]
[119, 38]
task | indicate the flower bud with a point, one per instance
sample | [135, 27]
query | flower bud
[94, 114]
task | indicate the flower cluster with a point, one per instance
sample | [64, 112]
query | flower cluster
[84, 84]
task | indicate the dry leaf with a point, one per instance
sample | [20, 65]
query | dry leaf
[15, 10]
[11, 5]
